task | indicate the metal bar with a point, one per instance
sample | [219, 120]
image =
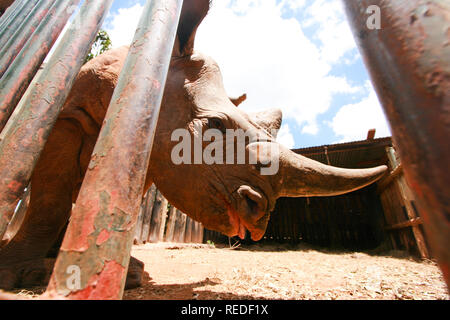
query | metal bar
[15, 21]
[100, 234]
[27, 130]
[10, 13]
[408, 60]
[12, 45]
[17, 78]
[9, 10]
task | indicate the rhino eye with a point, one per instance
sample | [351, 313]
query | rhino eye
[215, 123]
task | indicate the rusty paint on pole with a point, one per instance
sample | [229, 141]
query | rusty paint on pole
[16, 79]
[408, 60]
[100, 234]
[12, 46]
[16, 20]
[27, 131]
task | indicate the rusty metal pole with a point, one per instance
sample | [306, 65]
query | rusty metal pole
[16, 20]
[13, 44]
[16, 79]
[409, 62]
[27, 130]
[9, 11]
[100, 234]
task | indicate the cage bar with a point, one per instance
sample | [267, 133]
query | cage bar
[27, 131]
[408, 61]
[15, 20]
[17, 78]
[100, 234]
[12, 45]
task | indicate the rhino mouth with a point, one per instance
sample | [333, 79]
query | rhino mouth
[250, 213]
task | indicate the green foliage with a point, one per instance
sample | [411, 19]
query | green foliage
[101, 44]
[210, 243]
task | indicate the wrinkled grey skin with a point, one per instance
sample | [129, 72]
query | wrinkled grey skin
[227, 198]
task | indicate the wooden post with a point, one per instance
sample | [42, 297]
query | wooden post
[180, 225]
[171, 217]
[188, 230]
[147, 209]
[407, 197]
[158, 218]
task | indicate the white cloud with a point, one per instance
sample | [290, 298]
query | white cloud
[285, 137]
[271, 59]
[333, 29]
[354, 120]
[122, 25]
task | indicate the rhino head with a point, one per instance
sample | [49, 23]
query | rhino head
[229, 196]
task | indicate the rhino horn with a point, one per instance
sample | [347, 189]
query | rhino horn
[300, 176]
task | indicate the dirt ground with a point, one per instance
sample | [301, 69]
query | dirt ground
[194, 271]
[282, 272]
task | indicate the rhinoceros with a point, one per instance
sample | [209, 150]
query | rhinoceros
[227, 197]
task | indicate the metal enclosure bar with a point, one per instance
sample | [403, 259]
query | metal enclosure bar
[101, 230]
[16, 79]
[9, 11]
[408, 59]
[16, 20]
[13, 44]
[28, 129]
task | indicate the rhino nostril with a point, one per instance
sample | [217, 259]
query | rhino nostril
[253, 205]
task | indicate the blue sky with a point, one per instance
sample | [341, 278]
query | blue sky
[296, 55]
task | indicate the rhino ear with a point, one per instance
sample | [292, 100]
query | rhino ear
[192, 14]
[237, 101]
[270, 120]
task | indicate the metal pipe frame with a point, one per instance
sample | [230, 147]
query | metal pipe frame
[17, 19]
[16, 79]
[409, 62]
[12, 46]
[27, 130]
[100, 233]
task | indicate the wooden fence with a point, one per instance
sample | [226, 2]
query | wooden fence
[158, 221]
[403, 221]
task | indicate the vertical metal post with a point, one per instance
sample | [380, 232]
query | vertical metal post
[16, 20]
[408, 60]
[16, 79]
[12, 45]
[28, 129]
[100, 234]
[10, 13]
[9, 10]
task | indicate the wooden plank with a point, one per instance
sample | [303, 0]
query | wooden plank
[180, 226]
[407, 196]
[188, 230]
[159, 210]
[410, 223]
[147, 213]
[162, 227]
[171, 217]
[138, 230]
[385, 182]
